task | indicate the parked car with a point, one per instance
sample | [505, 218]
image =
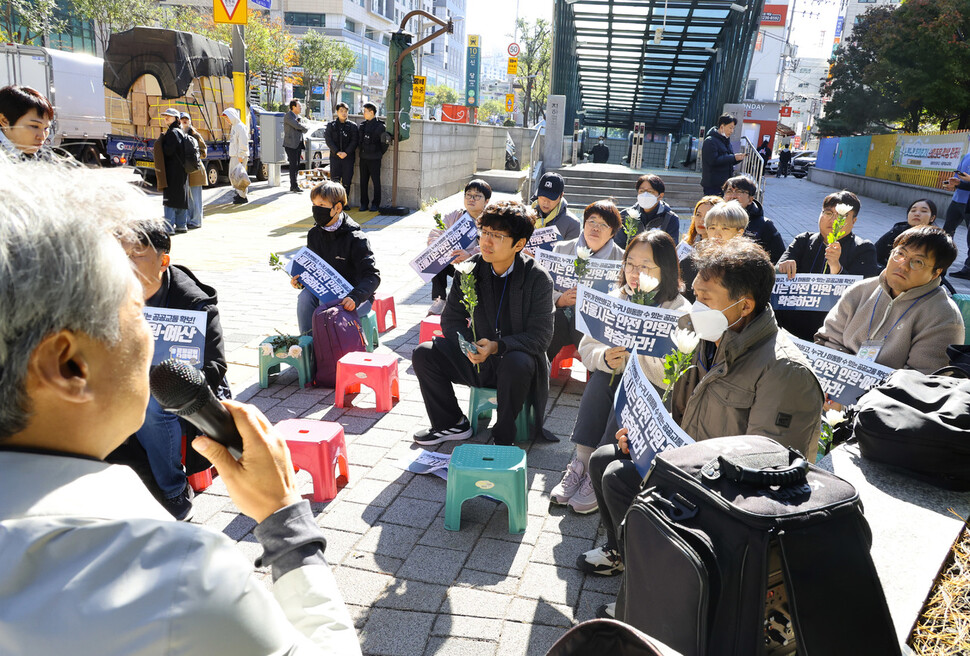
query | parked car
[772, 165]
[801, 164]
[316, 154]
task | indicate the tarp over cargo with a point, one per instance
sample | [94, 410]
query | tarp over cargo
[173, 58]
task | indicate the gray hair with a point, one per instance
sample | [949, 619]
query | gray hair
[62, 266]
[729, 215]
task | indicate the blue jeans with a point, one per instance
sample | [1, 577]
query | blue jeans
[306, 303]
[195, 207]
[176, 218]
[161, 437]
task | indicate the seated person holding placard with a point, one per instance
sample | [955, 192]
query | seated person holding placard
[338, 239]
[653, 253]
[155, 450]
[477, 195]
[821, 252]
[601, 220]
[903, 318]
[508, 337]
[747, 378]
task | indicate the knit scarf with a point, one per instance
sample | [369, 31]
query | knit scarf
[543, 220]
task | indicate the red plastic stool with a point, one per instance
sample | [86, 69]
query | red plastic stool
[431, 328]
[563, 360]
[318, 447]
[384, 303]
[377, 371]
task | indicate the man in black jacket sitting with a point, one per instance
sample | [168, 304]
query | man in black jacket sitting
[512, 321]
[760, 229]
[651, 210]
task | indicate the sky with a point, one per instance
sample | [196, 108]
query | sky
[813, 26]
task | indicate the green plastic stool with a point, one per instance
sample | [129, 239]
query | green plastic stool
[368, 325]
[963, 302]
[270, 364]
[485, 469]
[481, 402]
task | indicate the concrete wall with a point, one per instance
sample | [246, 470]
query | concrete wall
[440, 158]
[894, 193]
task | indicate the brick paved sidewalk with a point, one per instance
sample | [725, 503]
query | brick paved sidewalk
[413, 587]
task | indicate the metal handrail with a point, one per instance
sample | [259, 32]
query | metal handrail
[753, 166]
[534, 166]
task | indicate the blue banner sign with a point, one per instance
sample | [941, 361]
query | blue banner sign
[600, 275]
[461, 236]
[809, 291]
[544, 238]
[179, 334]
[616, 322]
[844, 377]
[320, 278]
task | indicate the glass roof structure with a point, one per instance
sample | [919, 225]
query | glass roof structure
[614, 71]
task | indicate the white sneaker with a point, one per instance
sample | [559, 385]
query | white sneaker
[569, 485]
[437, 306]
[584, 500]
[602, 561]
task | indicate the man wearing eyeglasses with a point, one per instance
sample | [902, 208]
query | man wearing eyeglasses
[507, 337]
[903, 319]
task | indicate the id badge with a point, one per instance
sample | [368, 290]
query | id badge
[869, 350]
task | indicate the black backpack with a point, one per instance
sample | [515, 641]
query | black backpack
[919, 424]
[191, 156]
[736, 546]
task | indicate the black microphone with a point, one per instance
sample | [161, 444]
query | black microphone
[181, 389]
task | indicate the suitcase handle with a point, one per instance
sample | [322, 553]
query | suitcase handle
[795, 473]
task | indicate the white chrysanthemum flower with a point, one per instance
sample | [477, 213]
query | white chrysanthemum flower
[266, 349]
[833, 417]
[465, 267]
[295, 351]
[583, 253]
[647, 283]
[842, 209]
[685, 340]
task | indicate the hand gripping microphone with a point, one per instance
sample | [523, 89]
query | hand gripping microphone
[181, 389]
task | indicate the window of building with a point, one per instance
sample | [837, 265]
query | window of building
[303, 19]
[752, 90]
[378, 66]
[373, 35]
[350, 25]
[386, 40]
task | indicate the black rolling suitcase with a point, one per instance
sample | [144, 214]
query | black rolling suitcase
[736, 546]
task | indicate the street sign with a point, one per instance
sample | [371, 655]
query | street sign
[229, 11]
[513, 50]
[513, 65]
[785, 111]
[473, 64]
[263, 3]
[510, 102]
[417, 97]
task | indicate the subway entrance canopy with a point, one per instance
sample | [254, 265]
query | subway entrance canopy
[609, 65]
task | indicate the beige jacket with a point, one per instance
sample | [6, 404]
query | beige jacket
[919, 339]
[593, 353]
[759, 384]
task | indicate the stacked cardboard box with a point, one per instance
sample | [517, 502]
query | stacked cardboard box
[139, 115]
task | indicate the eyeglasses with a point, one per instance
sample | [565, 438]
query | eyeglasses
[474, 197]
[596, 225]
[637, 268]
[916, 263]
[492, 236]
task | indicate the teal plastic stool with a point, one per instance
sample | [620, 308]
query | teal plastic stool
[963, 302]
[481, 402]
[495, 471]
[270, 364]
[368, 325]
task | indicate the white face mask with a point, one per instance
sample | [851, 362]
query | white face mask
[646, 201]
[709, 324]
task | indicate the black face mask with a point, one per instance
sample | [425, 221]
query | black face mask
[321, 215]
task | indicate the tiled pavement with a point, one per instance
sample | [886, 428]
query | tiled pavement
[414, 588]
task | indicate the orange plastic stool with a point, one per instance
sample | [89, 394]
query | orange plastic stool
[431, 328]
[384, 303]
[377, 371]
[318, 447]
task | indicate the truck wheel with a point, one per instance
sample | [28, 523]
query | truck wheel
[211, 174]
[262, 171]
[89, 156]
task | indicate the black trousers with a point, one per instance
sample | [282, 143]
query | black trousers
[439, 284]
[342, 171]
[712, 191]
[564, 332]
[293, 162]
[440, 363]
[956, 215]
[370, 171]
[616, 482]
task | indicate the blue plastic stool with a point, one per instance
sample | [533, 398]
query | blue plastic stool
[269, 364]
[495, 471]
[481, 402]
[368, 325]
[963, 302]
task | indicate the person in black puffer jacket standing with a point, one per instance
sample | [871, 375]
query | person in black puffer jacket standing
[342, 139]
[717, 156]
[372, 149]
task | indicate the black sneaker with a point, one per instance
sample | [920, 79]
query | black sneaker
[239, 200]
[375, 208]
[962, 273]
[606, 611]
[428, 437]
[180, 506]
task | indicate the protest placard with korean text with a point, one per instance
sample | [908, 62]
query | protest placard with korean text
[809, 291]
[544, 238]
[616, 322]
[179, 334]
[844, 377]
[320, 278]
[601, 275]
[459, 237]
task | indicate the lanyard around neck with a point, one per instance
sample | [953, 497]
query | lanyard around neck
[905, 312]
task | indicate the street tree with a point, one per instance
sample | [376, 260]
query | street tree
[270, 52]
[112, 16]
[535, 59]
[440, 94]
[491, 108]
[22, 21]
[324, 59]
